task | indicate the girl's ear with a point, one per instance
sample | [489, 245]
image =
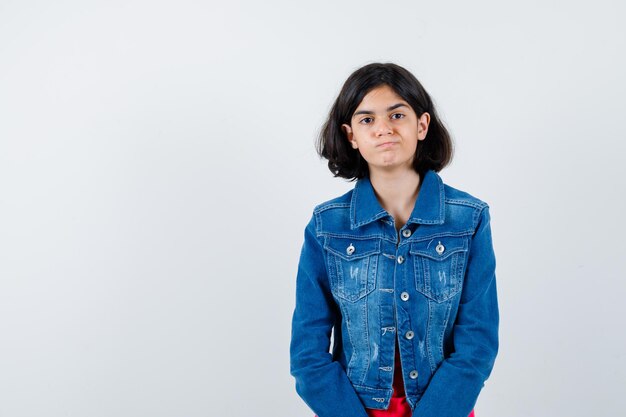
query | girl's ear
[422, 126]
[348, 131]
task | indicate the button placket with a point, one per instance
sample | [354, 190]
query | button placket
[404, 296]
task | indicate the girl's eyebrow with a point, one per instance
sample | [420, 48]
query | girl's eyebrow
[395, 106]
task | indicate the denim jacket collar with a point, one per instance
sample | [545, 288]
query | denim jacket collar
[429, 207]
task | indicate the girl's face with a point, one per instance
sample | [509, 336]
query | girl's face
[385, 130]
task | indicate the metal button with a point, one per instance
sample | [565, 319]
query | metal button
[350, 249]
[400, 259]
[404, 296]
[406, 232]
[409, 335]
[440, 248]
[413, 374]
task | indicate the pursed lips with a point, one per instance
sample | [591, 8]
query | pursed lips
[386, 144]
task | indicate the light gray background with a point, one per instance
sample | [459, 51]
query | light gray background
[157, 170]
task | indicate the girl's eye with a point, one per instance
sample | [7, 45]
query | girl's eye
[400, 116]
[366, 120]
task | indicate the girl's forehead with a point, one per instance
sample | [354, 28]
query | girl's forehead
[381, 96]
[383, 91]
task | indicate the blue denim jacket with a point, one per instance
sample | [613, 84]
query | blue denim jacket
[431, 288]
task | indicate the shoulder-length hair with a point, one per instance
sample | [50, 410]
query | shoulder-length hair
[434, 152]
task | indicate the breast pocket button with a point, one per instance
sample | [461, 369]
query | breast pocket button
[440, 248]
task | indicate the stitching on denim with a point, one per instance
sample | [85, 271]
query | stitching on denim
[373, 275]
[431, 360]
[478, 215]
[358, 255]
[353, 205]
[354, 237]
[367, 336]
[396, 338]
[441, 258]
[419, 220]
[380, 320]
[327, 206]
[318, 224]
[454, 274]
[377, 216]
[443, 328]
[468, 203]
[371, 390]
[417, 275]
[332, 274]
[338, 269]
[344, 312]
[460, 233]
[357, 236]
[442, 199]
[460, 273]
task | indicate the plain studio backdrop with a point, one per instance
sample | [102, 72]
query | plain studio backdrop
[157, 169]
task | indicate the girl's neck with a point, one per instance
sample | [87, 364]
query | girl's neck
[397, 193]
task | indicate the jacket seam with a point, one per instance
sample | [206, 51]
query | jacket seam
[326, 206]
[466, 202]
[477, 215]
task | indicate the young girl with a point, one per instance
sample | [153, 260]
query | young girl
[401, 268]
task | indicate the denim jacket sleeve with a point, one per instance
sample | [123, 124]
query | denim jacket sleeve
[321, 382]
[454, 388]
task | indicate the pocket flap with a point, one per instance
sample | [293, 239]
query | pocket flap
[351, 248]
[439, 248]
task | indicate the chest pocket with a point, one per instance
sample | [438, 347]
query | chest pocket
[352, 265]
[439, 266]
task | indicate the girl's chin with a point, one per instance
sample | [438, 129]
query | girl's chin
[390, 167]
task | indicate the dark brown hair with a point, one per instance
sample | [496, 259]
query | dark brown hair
[434, 152]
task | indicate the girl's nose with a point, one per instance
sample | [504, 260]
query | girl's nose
[383, 128]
